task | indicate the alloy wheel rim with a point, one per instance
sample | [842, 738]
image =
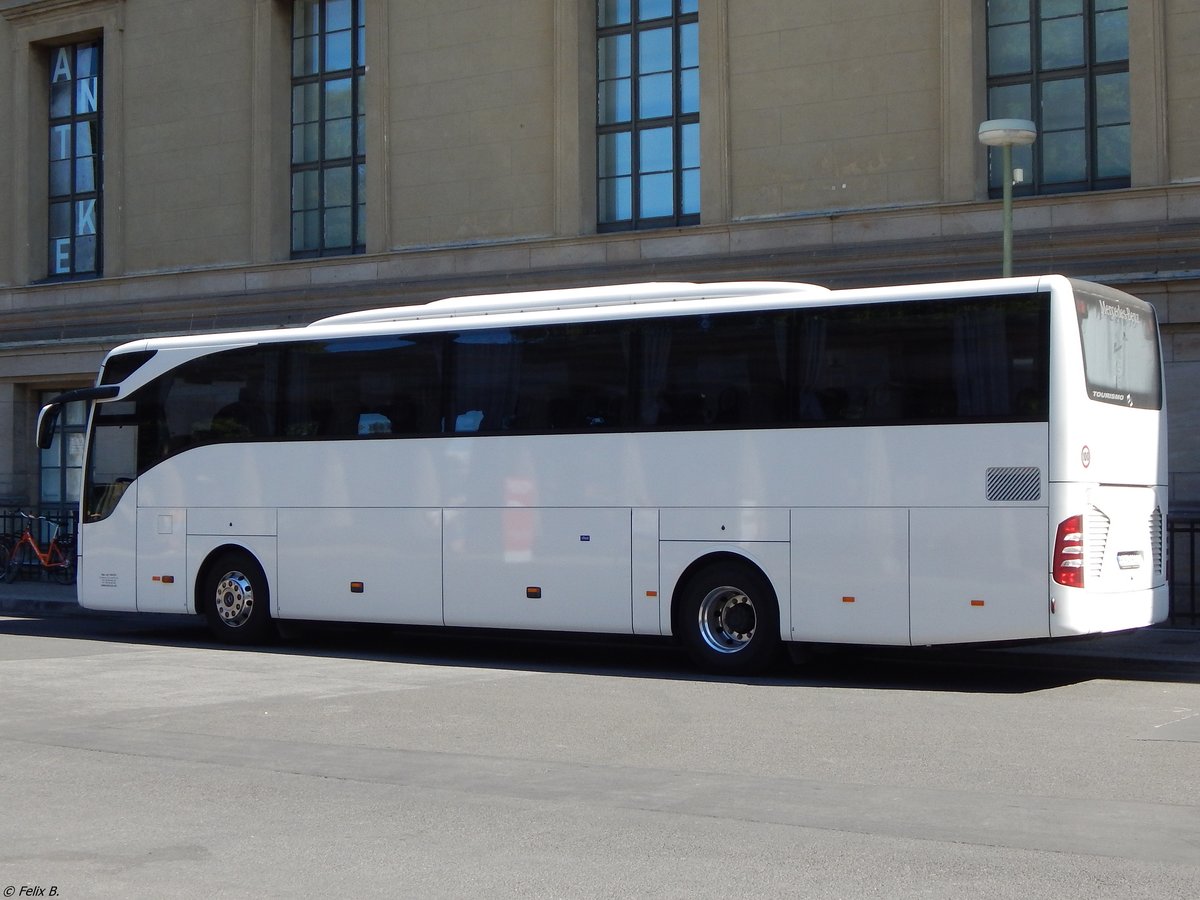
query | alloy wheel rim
[727, 619]
[234, 599]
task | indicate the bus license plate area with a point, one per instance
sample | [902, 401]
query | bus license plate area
[1129, 559]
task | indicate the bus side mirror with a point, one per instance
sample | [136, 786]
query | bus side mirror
[47, 420]
[48, 417]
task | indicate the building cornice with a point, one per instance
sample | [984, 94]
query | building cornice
[23, 11]
[1141, 236]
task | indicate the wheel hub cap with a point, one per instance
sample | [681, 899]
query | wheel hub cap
[727, 619]
[235, 599]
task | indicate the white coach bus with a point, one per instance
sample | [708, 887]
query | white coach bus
[736, 465]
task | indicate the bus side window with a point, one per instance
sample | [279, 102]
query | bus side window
[404, 414]
[243, 418]
[363, 387]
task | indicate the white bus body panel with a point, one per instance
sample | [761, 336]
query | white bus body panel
[722, 525]
[389, 512]
[107, 577]
[1125, 560]
[978, 574]
[850, 575]
[360, 565]
[647, 586]
[162, 584]
[577, 561]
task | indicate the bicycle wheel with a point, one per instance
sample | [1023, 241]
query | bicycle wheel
[5, 553]
[13, 568]
[65, 573]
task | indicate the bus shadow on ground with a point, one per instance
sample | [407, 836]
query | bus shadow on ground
[959, 669]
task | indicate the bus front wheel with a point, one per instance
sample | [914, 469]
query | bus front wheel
[728, 619]
[236, 599]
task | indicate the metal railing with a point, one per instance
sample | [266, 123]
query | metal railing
[1183, 532]
[12, 523]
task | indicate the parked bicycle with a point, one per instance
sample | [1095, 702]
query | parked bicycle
[58, 557]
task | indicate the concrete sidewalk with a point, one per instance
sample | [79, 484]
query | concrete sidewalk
[35, 597]
[1159, 646]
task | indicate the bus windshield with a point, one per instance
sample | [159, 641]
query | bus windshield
[112, 457]
[1120, 348]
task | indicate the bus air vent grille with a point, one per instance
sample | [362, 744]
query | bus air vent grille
[1008, 483]
[1096, 527]
[1156, 539]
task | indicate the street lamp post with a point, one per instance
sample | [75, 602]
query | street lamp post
[1005, 134]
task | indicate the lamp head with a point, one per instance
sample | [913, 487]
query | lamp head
[1007, 132]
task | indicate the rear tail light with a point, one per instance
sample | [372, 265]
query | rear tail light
[1068, 552]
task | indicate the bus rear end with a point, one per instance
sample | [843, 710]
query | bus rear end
[1108, 463]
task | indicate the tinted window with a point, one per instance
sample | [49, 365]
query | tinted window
[363, 387]
[1120, 349]
[716, 371]
[963, 360]
[933, 361]
[563, 378]
[118, 368]
[227, 396]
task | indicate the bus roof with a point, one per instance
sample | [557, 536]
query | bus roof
[603, 303]
[571, 298]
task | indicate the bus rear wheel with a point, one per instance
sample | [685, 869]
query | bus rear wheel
[237, 600]
[728, 619]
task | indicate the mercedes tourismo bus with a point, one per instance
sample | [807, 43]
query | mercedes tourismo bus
[735, 465]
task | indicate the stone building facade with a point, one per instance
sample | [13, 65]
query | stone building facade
[172, 166]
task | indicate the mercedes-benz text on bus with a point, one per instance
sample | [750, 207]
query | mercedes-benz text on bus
[736, 465]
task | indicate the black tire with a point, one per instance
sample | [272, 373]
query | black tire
[65, 574]
[5, 552]
[12, 567]
[237, 601]
[727, 619]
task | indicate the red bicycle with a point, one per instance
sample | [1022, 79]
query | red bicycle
[58, 557]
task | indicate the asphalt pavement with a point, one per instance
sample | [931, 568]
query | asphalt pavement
[1158, 647]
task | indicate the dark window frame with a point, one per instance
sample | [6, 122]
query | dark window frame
[1038, 78]
[1032, 159]
[81, 206]
[305, 241]
[636, 127]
